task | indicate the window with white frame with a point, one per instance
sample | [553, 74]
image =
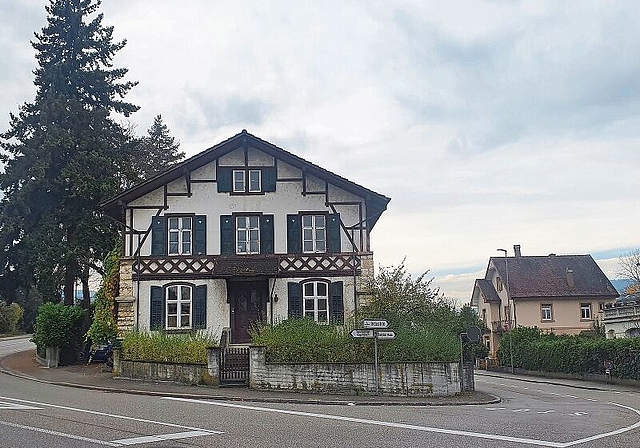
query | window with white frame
[238, 181]
[255, 181]
[585, 311]
[314, 233]
[247, 181]
[247, 235]
[178, 302]
[179, 235]
[546, 311]
[315, 300]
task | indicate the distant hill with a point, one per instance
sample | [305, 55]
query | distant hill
[620, 285]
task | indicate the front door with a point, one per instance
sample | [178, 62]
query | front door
[248, 302]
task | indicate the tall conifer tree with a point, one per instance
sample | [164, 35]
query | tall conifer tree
[64, 154]
[159, 148]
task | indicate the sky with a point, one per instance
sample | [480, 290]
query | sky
[487, 123]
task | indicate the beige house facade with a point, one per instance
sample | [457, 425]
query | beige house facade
[563, 294]
[243, 232]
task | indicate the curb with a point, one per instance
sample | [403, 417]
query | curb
[549, 381]
[194, 396]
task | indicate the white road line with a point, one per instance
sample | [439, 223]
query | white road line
[377, 423]
[17, 407]
[161, 437]
[571, 396]
[104, 414]
[423, 428]
[60, 434]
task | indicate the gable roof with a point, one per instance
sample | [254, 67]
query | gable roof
[488, 291]
[375, 202]
[539, 277]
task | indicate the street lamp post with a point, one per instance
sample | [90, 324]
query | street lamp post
[506, 268]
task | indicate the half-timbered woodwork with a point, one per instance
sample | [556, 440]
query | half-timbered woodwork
[243, 232]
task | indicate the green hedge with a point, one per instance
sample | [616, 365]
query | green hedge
[156, 346]
[10, 317]
[303, 340]
[534, 350]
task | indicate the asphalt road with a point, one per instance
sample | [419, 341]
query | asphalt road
[34, 415]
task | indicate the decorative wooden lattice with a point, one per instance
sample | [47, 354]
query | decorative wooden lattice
[216, 266]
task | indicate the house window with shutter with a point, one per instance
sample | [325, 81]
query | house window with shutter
[178, 303]
[238, 181]
[179, 235]
[247, 235]
[178, 306]
[247, 181]
[314, 233]
[315, 301]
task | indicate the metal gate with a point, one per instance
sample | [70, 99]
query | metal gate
[234, 366]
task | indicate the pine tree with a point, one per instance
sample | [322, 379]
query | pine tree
[160, 149]
[64, 154]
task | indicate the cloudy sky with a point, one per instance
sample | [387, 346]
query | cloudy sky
[488, 123]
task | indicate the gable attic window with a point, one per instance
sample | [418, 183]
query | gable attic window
[245, 180]
[238, 181]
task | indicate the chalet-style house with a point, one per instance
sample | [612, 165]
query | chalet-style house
[242, 232]
[563, 294]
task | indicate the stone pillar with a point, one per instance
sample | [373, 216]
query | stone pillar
[257, 364]
[467, 377]
[117, 366]
[126, 277]
[125, 314]
[213, 366]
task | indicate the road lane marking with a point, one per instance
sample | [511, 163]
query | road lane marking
[191, 432]
[546, 412]
[160, 438]
[521, 410]
[58, 433]
[17, 407]
[376, 422]
[422, 428]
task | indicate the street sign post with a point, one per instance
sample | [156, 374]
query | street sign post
[360, 333]
[385, 334]
[375, 323]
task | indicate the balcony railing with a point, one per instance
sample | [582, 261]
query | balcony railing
[218, 266]
[622, 310]
[500, 326]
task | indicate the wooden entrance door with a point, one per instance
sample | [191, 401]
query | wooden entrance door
[248, 302]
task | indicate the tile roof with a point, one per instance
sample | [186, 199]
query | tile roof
[533, 276]
[488, 291]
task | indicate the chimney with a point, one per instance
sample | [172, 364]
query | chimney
[570, 280]
[516, 250]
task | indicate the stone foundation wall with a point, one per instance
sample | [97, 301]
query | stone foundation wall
[416, 379]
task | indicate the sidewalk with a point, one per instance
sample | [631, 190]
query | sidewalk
[96, 377]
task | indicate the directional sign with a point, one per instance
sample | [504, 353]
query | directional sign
[359, 333]
[385, 334]
[378, 323]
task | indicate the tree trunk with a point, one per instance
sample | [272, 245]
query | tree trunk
[69, 284]
[86, 294]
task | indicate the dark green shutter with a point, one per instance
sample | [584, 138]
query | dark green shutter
[159, 236]
[269, 175]
[200, 307]
[266, 234]
[295, 299]
[227, 230]
[200, 235]
[333, 233]
[156, 321]
[224, 179]
[294, 236]
[336, 307]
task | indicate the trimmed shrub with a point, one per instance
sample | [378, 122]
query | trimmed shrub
[61, 326]
[10, 316]
[305, 341]
[156, 346]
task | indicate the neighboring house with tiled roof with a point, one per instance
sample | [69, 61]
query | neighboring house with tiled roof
[564, 294]
[242, 232]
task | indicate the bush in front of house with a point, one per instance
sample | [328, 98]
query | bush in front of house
[536, 350]
[305, 341]
[61, 326]
[10, 317]
[157, 346]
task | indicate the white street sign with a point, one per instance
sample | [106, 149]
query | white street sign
[386, 334]
[378, 323]
[358, 333]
